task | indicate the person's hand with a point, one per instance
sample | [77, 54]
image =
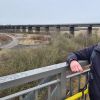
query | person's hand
[75, 66]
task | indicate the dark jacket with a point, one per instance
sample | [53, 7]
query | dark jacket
[92, 54]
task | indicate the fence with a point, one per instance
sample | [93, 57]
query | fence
[56, 88]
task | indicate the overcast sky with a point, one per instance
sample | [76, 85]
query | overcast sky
[49, 11]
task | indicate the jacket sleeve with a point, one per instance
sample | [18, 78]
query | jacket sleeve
[83, 54]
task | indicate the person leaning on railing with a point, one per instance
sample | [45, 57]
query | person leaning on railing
[92, 54]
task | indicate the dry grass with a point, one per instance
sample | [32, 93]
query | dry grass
[34, 39]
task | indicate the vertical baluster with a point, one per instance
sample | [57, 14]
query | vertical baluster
[49, 92]
[79, 83]
[58, 95]
[71, 91]
[79, 78]
[21, 97]
[63, 84]
[58, 92]
[86, 79]
[36, 95]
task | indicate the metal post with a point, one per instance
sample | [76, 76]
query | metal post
[79, 82]
[49, 93]
[63, 85]
[21, 98]
[71, 87]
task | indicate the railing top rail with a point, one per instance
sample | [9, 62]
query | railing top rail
[33, 72]
[31, 75]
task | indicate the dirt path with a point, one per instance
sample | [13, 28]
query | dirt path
[13, 43]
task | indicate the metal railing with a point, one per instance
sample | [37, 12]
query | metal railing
[56, 89]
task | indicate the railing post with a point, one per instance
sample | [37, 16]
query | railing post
[63, 84]
[21, 98]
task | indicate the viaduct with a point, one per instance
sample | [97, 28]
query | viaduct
[47, 28]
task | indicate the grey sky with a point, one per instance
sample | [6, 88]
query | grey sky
[49, 11]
